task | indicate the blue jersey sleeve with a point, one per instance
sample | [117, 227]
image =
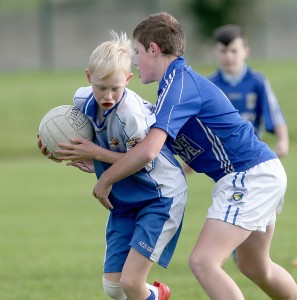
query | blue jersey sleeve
[272, 113]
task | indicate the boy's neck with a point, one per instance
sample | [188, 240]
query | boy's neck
[233, 79]
[164, 63]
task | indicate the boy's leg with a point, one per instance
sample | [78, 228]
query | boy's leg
[134, 276]
[254, 261]
[112, 287]
[214, 245]
[152, 244]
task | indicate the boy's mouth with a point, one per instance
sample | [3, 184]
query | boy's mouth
[107, 105]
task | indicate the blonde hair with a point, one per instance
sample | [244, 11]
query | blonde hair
[112, 56]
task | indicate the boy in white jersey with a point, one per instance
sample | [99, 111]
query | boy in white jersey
[121, 120]
[200, 124]
[249, 91]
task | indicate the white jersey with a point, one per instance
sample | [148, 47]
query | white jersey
[125, 125]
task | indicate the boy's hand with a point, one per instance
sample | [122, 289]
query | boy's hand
[78, 150]
[101, 192]
[44, 151]
[187, 168]
[282, 148]
[85, 165]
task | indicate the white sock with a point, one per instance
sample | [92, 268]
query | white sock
[154, 289]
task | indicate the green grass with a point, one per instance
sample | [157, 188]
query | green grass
[52, 229]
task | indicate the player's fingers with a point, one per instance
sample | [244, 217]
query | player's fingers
[68, 154]
[104, 202]
[66, 146]
[64, 152]
[75, 162]
[50, 156]
[68, 157]
[43, 151]
[77, 140]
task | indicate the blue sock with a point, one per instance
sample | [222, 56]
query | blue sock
[152, 296]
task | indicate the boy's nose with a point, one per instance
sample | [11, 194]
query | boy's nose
[108, 95]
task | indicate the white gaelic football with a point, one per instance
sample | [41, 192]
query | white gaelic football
[61, 124]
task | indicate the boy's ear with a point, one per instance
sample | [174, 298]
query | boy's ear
[154, 48]
[88, 75]
[129, 77]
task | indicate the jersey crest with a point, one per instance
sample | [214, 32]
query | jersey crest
[133, 141]
[237, 197]
[251, 100]
[115, 142]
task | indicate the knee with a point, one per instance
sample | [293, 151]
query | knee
[113, 290]
[126, 284]
[197, 265]
[251, 271]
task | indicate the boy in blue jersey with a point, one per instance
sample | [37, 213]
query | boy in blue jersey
[148, 207]
[249, 91]
[198, 122]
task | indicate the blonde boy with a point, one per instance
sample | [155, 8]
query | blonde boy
[147, 207]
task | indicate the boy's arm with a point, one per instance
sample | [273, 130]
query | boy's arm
[131, 162]
[282, 146]
[82, 149]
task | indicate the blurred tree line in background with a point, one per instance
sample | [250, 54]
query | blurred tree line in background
[59, 34]
[210, 14]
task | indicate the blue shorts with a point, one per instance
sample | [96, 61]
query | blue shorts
[152, 229]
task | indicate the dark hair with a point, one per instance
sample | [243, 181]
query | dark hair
[164, 30]
[226, 34]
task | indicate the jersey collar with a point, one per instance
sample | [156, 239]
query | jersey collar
[91, 107]
[234, 80]
[168, 75]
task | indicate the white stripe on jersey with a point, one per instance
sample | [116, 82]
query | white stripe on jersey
[274, 109]
[164, 93]
[218, 149]
[173, 106]
[87, 105]
[162, 96]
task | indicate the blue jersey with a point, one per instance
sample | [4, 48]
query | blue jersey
[254, 98]
[203, 127]
[126, 124]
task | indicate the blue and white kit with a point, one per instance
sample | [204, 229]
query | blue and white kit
[253, 96]
[155, 195]
[208, 133]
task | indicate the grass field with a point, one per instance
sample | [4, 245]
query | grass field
[52, 229]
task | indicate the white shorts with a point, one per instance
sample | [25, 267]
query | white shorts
[250, 199]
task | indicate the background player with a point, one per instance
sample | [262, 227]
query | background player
[249, 91]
